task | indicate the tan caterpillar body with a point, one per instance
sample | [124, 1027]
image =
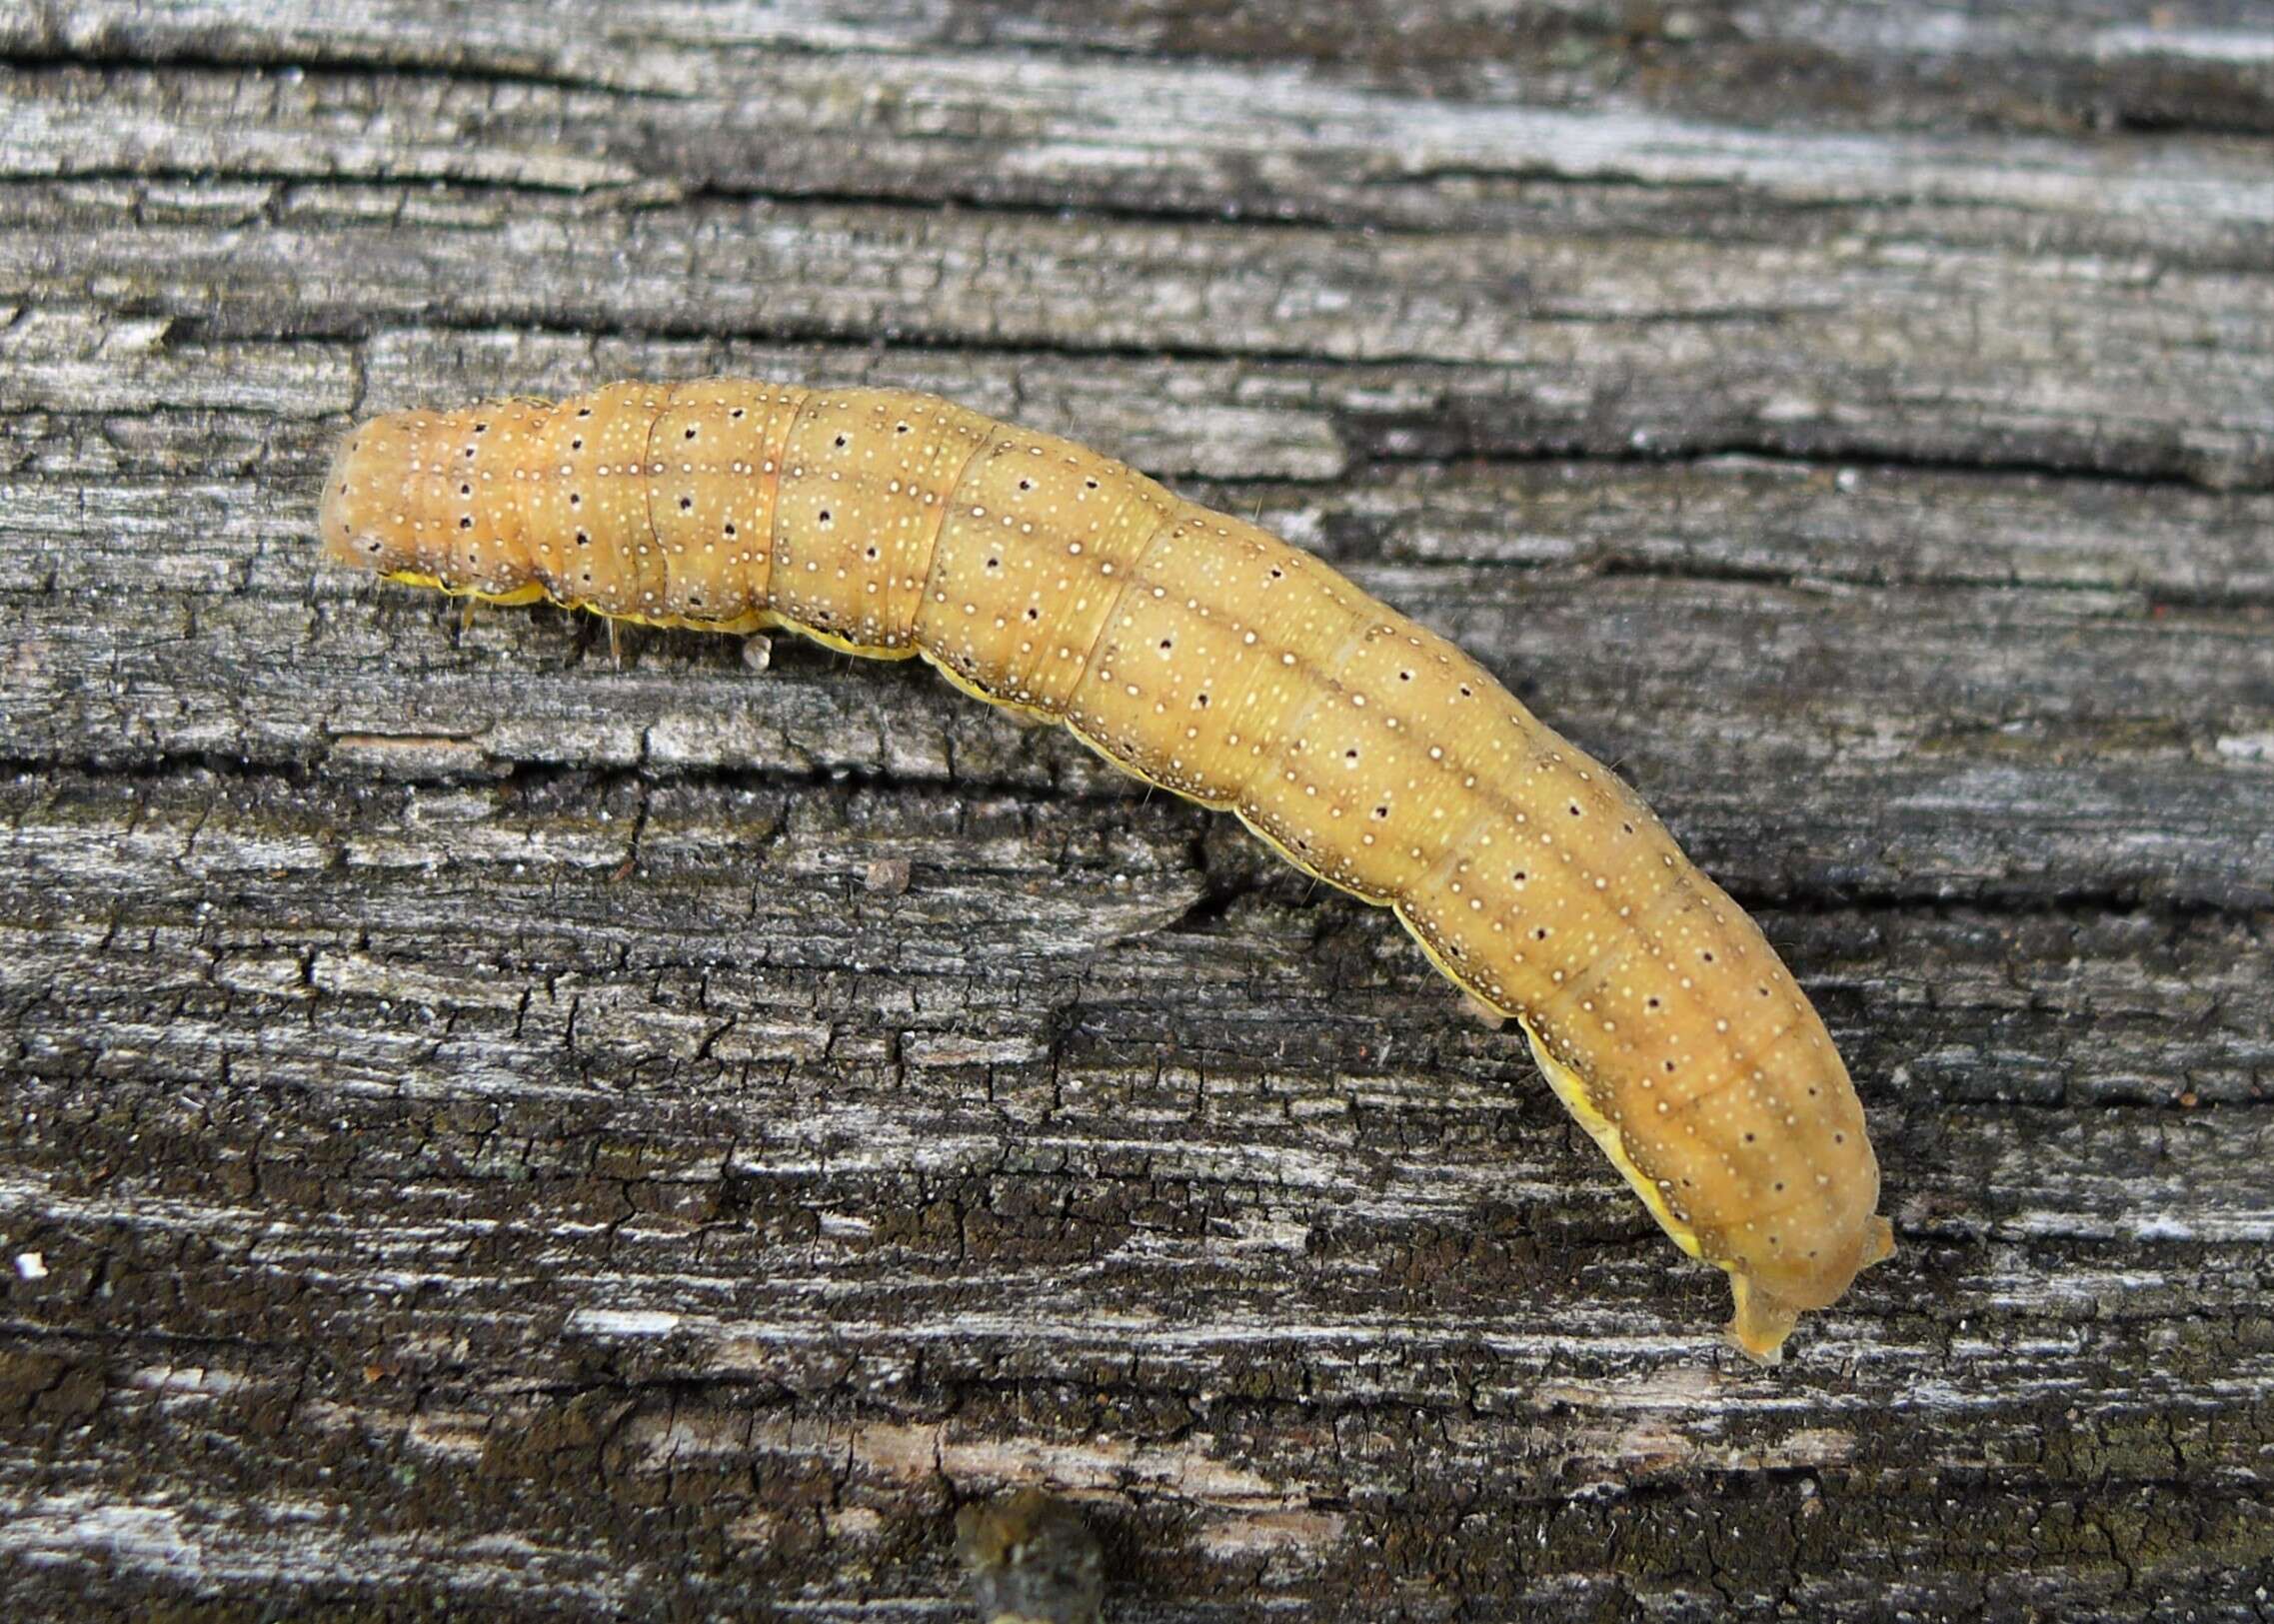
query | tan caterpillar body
[1204, 654]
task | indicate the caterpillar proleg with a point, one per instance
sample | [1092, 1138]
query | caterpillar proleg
[1204, 654]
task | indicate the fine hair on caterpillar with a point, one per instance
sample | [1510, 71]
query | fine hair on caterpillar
[1202, 654]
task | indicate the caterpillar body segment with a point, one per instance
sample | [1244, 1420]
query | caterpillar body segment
[1202, 654]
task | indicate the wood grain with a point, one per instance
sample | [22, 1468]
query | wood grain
[484, 1145]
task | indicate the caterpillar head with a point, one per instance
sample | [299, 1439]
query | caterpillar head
[367, 516]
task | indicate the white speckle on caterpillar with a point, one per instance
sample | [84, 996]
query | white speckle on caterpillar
[1202, 654]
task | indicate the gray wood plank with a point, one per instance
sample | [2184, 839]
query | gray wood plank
[476, 1139]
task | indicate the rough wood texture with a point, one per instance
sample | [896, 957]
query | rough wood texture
[474, 1137]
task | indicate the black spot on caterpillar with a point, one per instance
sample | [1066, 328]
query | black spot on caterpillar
[1204, 654]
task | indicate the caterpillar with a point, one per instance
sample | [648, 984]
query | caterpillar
[1206, 656]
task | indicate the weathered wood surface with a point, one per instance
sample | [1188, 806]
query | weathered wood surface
[472, 1141]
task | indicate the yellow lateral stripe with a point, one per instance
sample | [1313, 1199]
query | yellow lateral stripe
[1573, 1091]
